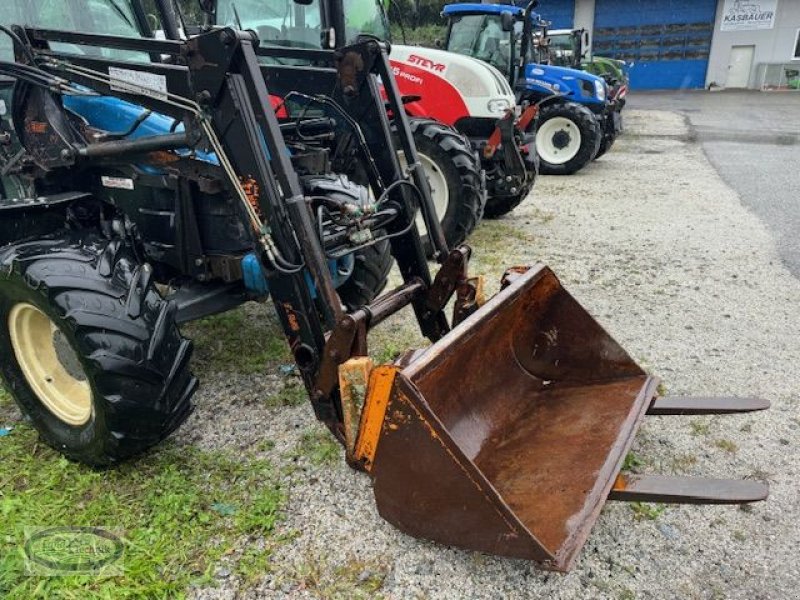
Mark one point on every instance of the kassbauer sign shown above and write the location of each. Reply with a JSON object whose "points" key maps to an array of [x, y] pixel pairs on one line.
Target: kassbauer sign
{"points": [[738, 15]]}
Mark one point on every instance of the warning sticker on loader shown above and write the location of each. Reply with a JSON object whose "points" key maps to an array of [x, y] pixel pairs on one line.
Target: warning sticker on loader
{"points": [[138, 82], [120, 183]]}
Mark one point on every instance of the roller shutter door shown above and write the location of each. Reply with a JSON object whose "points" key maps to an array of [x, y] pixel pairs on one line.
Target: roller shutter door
{"points": [[561, 13], [667, 42]]}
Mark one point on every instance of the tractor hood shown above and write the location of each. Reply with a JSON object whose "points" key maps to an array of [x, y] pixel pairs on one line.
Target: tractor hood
{"points": [[581, 86], [433, 72]]}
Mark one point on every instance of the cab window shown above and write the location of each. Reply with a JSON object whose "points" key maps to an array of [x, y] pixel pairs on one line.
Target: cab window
{"points": [[114, 17]]}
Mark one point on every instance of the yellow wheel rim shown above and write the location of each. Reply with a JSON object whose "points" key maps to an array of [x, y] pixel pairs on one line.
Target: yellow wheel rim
{"points": [[49, 364]]}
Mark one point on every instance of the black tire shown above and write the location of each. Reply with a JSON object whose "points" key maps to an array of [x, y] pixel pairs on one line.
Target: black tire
{"points": [[498, 207], [123, 335], [452, 153], [371, 264], [369, 276], [610, 134], [588, 127], [606, 142]]}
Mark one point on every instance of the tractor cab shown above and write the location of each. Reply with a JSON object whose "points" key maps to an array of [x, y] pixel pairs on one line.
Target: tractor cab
{"points": [[570, 48], [488, 32], [567, 47], [299, 24]]}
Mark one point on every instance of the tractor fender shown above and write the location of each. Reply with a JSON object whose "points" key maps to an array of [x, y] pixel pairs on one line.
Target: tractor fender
{"points": [[34, 217], [416, 109], [439, 99]]}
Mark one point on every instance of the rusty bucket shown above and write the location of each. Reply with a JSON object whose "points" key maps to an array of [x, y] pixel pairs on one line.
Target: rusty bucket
{"points": [[506, 435]]}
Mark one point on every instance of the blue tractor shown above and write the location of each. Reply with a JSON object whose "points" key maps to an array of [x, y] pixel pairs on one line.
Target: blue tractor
{"points": [[577, 121]]}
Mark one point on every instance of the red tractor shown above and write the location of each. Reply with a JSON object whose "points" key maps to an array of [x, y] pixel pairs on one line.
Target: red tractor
{"points": [[476, 100]]}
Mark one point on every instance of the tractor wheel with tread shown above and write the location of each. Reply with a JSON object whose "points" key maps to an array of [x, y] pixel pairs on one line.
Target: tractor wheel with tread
{"points": [[91, 351], [371, 264], [454, 174], [497, 207], [369, 276], [606, 142], [568, 137]]}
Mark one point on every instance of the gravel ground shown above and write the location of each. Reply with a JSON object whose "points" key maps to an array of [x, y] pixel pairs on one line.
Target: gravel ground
{"points": [[663, 253]]}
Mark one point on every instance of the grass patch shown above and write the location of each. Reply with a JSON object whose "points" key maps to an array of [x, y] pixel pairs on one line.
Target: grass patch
{"points": [[699, 427], [492, 240], [354, 579], [319, 446], [293, 393], [386, 353], [5, 397], [726, 445], [682, 463], [626, 594], [632, 461], [181, 510], [238, 342], [646, 511], [495, 235], [542, 216]]}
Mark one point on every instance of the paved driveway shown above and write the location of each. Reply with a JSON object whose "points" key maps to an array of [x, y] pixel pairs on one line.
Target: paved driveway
{"points": [[753, 140]]}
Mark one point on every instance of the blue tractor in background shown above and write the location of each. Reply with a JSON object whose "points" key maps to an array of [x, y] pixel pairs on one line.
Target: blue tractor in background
{"points": [[577, 121]]}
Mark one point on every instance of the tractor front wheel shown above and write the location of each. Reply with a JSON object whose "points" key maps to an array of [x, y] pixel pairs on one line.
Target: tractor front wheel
{"points": [[371, 264], [91, 351], [568, 137], [454, 175]]}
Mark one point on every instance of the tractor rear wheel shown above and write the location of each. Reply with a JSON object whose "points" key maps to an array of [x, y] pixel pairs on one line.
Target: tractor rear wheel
{"points": [[454, 174], [567, 138], [91, 351]]}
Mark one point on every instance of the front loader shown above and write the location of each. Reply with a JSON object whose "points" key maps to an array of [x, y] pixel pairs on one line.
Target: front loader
{"points": [[505, 435]]}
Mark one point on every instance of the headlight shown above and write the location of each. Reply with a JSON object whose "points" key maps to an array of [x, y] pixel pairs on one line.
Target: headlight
{"points": [[465, 81], [498, 106], [600, 89]]}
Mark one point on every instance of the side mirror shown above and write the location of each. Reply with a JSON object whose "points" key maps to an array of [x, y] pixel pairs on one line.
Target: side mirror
{"points": [[438, 43], [507, 21], [585, 43]]}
